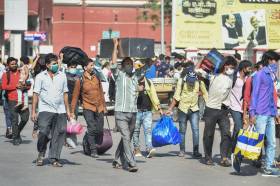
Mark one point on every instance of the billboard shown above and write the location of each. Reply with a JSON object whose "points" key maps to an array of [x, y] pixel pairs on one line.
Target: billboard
{"points": [[227, 24], [16, 14]]}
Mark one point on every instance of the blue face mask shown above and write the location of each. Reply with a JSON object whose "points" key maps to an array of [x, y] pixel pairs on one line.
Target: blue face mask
{"points": [[54, 68], [72, 71], [273, 67]]}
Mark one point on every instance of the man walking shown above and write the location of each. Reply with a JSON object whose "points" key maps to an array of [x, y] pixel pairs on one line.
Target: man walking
{"points": [[217, 110], [50, 91], [186, 94], [125, 110], [263, 108], [10, 84]]}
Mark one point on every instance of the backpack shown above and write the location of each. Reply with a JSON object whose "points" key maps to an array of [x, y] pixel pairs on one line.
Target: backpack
{"points": [[182, 86]]}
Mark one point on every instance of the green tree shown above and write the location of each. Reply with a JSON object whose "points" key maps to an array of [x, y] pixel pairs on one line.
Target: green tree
{"points": [[152, 12]]}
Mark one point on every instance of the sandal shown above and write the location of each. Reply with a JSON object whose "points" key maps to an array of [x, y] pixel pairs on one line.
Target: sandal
{"points": [[116, 165], [39, 161], [57, 164]]}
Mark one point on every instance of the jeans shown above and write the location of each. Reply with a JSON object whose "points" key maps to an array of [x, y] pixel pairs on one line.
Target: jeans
{"points": [[144, 118], [212, 117], [201, 105], [266, 125], [125, 122], [24, 116], [7, 113], [193, 117], [52, 127], [95, 124], [238, 123]]}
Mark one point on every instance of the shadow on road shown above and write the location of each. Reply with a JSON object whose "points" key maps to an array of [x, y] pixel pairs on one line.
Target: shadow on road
{"points": [[62, 161], [168, 154], [246, 170], [111, 160], [23, 141]]}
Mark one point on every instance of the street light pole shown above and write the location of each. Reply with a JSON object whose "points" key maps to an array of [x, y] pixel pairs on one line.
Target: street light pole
{"points": [[162, 27]]}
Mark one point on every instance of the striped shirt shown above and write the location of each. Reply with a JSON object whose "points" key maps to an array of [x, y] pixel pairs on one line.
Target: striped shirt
{"points": [[126, 91]]}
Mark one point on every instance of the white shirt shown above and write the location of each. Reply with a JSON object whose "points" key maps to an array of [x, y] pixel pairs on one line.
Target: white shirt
{"points": [[219, 91], [51, 92]]}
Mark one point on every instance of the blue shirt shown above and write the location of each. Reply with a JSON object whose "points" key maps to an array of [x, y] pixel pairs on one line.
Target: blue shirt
{"points": [[151, 72], [262, 99], [163, 69], [51, 92]]}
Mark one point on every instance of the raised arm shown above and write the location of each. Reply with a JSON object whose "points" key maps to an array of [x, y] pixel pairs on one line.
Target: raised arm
{"points": [[115, 51]]}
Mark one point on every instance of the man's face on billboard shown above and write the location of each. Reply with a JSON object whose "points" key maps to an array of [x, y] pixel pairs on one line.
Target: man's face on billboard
{"points": [[231, 20], [255, 22]]}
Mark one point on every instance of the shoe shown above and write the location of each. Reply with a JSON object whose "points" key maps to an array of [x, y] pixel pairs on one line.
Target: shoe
{"points": [[236, 163], [197, 155], [40, 160], [94, 155], [271, 173], [151, 153], [9, 133], [137, 152], [208, 161], [16, 142], [181, 154], [132, 169], [116, 165], [19, 139], [225, 162]]}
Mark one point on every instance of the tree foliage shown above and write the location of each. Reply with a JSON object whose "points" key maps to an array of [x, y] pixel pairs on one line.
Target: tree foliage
{"points": [[152, 12]]}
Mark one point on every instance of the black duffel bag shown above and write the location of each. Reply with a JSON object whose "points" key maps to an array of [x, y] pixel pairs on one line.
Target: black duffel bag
{"points": [[74, 55], [103, 142]]}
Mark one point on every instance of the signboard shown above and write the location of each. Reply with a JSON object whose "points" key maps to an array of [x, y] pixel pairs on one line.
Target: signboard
{"points": [[45, 49], [35, 36], [114, 34], [16, 14], [227, 24]]}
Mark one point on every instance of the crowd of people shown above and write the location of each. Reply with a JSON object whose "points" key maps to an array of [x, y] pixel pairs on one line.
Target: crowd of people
{"points": [[246, 92]]}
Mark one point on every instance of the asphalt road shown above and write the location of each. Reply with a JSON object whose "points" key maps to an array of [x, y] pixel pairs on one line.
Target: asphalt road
{"points": [[17, 167]]}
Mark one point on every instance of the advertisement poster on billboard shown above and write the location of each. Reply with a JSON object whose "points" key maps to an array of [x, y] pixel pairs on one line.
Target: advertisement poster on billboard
{"points": [[227, 24]]}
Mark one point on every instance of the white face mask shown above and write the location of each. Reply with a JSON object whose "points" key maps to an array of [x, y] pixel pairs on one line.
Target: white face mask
{"points": [[229, 71]]}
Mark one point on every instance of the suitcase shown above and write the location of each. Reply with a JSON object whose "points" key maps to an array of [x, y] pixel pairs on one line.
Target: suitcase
{"points": [[213, 61], [103, 142], [128, 47]]}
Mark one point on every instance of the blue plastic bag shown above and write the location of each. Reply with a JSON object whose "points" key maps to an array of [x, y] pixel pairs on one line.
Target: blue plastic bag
{"points": [[165, 133]]}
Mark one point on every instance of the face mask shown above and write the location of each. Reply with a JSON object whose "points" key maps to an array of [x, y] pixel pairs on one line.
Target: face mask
{"points": [[128, 69], [72, 71], [229, 71], [273, 67], [54, 68]]}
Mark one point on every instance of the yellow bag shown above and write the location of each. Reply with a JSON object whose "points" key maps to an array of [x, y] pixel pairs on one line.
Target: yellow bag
{"points": [[249, 143]]}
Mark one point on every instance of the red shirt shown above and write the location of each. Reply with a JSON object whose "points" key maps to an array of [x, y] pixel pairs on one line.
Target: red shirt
{"points": [[247, 92], [11, 88]]}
